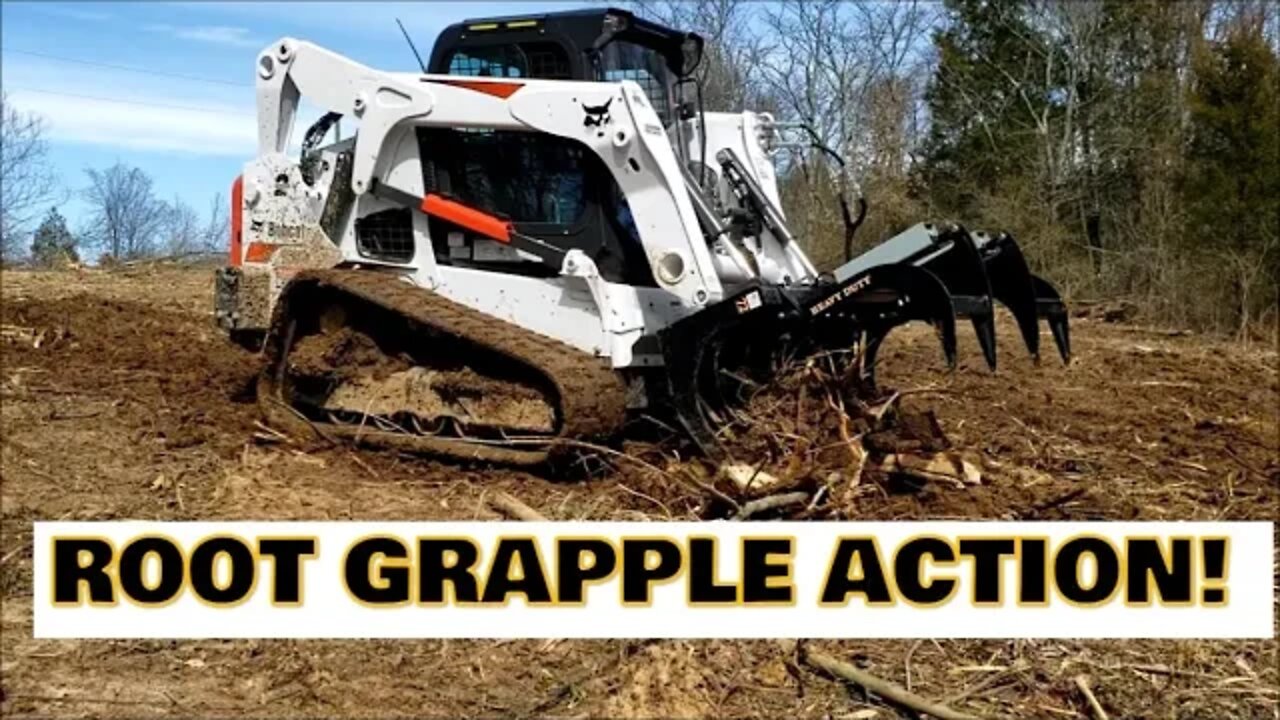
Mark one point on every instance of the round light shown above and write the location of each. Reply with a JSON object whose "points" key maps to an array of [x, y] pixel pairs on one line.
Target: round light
{"points": [[671, 268]]}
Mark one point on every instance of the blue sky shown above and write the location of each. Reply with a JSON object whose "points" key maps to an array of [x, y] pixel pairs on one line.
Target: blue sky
{"points": [[191, 135]]}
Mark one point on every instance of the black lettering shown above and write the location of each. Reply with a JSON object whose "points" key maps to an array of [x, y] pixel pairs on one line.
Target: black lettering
{"points": [[572, 579], [1032, 588], [908, 575], [69, 571], [703, 588], [1066, 568], [1213, 558], [391, 586], [637, 577], [201, 570], [1173, 580], [434, 572], [133, 560], [757, 570], [870, 582], [532, 582], [286, 559], [987, 576]]}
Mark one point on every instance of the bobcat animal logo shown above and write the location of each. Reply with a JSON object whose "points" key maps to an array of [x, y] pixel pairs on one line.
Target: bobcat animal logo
{"points": [[596, 115]]}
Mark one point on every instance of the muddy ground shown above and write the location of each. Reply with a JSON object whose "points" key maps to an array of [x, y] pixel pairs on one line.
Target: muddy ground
{"points": [[121, 400]]}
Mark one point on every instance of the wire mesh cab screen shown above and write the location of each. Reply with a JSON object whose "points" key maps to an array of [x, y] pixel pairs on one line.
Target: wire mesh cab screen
{"points": [[542, 60], [622, 60]]}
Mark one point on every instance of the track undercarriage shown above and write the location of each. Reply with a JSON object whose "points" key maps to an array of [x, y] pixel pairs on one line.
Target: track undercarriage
{"points": [[368, 358]]}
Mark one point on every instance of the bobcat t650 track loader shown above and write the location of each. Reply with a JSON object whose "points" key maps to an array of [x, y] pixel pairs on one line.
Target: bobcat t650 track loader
{"points": [[545, 233]]}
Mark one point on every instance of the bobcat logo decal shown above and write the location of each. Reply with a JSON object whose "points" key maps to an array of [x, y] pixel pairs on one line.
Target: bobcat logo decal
{"points": [[596, 115]]}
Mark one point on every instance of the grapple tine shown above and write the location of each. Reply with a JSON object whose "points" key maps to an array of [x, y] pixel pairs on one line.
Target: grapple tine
{"points": [[957, 263], [984, 327], [1011, 284], [1049, 306], [870, 349]]}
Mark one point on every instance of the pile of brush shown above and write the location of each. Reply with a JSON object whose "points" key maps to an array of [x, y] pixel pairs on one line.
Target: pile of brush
{"points": [[815, 438]]}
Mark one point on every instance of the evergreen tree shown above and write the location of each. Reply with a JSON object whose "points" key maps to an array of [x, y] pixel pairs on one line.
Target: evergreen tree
{"points": [[1232, 188], [985, 92], [53, 244]]}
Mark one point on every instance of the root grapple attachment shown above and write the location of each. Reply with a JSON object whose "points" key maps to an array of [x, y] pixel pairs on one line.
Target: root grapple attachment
{"points": [[714, 357], [978, 270], [929, 273]]}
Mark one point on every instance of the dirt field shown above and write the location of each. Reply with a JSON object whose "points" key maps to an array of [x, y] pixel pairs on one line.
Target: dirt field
{"points": [[121, 400]]}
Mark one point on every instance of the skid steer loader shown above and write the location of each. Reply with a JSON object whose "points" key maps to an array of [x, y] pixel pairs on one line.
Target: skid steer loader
{"points": [[542, 234]]}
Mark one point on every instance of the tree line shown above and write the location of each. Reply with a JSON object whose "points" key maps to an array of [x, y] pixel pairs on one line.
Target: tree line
{"points": [[1131, 146], [126, 221]]}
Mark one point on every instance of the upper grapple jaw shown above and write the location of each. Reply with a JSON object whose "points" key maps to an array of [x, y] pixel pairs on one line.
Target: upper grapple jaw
{"points": [[978, 270], [949, 253]]}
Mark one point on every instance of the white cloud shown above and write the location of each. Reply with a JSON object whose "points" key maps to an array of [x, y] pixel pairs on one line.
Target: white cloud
{"points": [[111, 108], [145, 123], [143, 127], [216, 34]]}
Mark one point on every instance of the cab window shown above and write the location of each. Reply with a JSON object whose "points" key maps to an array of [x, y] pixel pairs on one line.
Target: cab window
{"points": [[543, 60], [622, 60], [527, 177]]}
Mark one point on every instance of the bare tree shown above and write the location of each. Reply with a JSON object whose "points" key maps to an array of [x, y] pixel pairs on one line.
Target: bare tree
{"points": [[215, 233], [27, 185], [126, 216], [827, 56], [181, 231], [855, 73], [731, 48]]}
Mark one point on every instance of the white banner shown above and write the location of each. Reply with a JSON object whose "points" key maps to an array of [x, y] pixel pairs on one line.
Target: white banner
{"points": [[654, 580]]}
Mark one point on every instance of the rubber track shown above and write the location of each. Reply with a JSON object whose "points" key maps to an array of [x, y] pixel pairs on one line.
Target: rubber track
{"points": [[592, 395]]}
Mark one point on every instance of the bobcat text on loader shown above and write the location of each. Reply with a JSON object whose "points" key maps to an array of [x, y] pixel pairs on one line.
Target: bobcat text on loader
{"points": [[546, 233]]}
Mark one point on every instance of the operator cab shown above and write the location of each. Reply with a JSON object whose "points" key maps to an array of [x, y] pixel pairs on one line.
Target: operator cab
{"points": [[550, 188], [604, 45]]}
